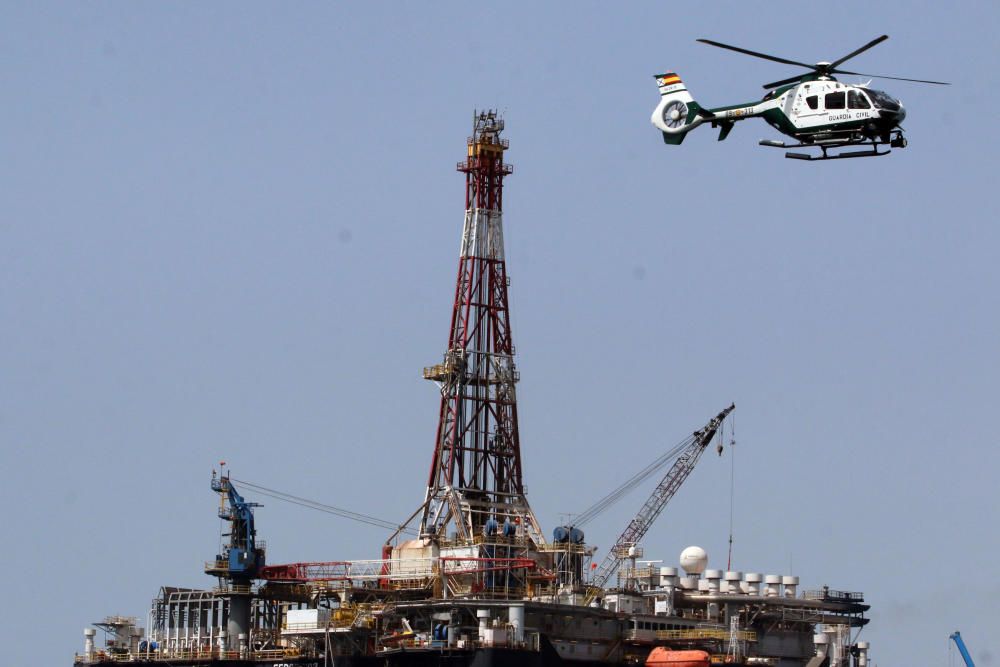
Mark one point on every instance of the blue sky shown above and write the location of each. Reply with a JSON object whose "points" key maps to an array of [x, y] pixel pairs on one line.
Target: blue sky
{"points": [[231, 231]]}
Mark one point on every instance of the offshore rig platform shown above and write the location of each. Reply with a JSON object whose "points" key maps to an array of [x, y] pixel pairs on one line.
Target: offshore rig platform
{"points": [[469, 579]]}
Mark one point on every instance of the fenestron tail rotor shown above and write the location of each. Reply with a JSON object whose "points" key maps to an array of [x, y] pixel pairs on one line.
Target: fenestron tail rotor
{"points": [[675, 114], [820, 68]]}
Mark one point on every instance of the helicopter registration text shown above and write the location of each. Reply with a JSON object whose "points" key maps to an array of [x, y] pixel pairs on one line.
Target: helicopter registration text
{"points": [[739, 113]]}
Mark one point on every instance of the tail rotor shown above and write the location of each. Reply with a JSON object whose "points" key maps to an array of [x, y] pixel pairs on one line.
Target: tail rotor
{"points": [[677, 113]]}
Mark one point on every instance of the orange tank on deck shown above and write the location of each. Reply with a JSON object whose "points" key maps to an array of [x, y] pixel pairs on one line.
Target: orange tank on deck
{"points": [[664, 657]]}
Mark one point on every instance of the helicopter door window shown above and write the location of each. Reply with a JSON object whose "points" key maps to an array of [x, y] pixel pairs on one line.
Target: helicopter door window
{"points": [[813, 101], [835, 100], [856, 100]]}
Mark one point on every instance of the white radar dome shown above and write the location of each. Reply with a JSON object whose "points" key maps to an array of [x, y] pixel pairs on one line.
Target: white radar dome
{"points": [[694, 560]]}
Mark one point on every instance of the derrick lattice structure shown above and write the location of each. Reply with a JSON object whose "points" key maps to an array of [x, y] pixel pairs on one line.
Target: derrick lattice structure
{"points": [[475, 486]]}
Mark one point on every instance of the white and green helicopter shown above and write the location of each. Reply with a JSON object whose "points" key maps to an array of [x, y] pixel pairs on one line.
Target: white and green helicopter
{"points": [[814, 109]]}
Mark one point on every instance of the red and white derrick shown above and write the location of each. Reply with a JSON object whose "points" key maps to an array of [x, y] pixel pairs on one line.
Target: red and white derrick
{"points": [[475, 486]]}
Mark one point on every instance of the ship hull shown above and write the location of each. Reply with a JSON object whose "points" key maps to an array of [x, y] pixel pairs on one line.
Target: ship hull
{"points": [[480, 657]]}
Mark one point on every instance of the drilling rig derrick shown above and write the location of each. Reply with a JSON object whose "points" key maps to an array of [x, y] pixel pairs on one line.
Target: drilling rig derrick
{"points": [[475, 503]]}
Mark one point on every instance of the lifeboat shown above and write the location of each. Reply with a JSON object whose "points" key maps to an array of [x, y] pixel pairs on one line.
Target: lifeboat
{"points": [[662, 656]]}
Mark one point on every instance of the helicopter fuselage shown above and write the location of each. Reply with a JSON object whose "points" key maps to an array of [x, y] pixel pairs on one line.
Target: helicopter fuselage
{"points": [[822, 108], [816, 110]]}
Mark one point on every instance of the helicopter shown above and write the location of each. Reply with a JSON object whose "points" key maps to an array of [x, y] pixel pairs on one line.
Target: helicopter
{"points": [[815, 109]]}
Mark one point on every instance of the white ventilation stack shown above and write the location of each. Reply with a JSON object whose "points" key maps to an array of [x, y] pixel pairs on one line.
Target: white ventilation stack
{"points": [[668, 582], [712, 578], [835, 634], [863, 654], [732, 585], [822, 643], [791, 584], [484, 622], [88, 643], [668, 578], [772, 585], [515, 616], [753, 580]]}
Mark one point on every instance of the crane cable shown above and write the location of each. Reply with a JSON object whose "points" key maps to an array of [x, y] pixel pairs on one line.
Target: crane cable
{"points": [[645, 473], [584, 517], [318, 506], [732, 483]]}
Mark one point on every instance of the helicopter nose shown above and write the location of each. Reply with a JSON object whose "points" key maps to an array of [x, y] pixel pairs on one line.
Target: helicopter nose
{"points": [[895, 116]]}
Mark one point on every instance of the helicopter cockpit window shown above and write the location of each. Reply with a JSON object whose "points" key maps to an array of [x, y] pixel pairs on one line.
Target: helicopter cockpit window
{"points": [[857, 100], [835, 100], [813, 101], [882, 100]]}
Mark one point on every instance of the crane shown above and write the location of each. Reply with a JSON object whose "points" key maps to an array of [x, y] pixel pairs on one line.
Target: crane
{"points": [[243, 556], [957, 638], [240, 561], [661, 495]]}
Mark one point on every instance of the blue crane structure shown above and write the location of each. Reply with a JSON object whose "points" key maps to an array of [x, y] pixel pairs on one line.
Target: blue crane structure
{"points": [[957, 638], [239, 563], [243, 557]]}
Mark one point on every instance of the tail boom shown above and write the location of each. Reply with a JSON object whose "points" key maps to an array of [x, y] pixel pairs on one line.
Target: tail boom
{"points": [[678, 113]]}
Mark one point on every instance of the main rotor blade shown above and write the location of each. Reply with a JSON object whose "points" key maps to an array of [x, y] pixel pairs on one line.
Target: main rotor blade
{"points": [[877, 40], [775, 84], [754, 53], [894, 78]]}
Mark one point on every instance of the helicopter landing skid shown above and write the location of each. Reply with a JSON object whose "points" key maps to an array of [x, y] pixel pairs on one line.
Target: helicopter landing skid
{"points": [[874, 152]]}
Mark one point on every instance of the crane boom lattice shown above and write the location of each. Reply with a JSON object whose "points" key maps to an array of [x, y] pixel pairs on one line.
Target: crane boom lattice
{"points": [[654, 505]]}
